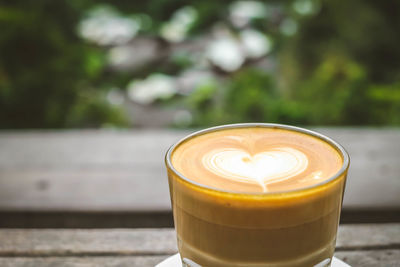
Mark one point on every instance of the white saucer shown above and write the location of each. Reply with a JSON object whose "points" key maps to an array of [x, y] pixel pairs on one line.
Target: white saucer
{"points": [[175, 261]]}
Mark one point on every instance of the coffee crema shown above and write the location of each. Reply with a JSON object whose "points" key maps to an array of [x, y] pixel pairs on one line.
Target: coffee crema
{"points": [[256, 160]]}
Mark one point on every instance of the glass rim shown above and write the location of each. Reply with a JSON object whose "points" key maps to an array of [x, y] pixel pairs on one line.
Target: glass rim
{"points": [[339, 148]]}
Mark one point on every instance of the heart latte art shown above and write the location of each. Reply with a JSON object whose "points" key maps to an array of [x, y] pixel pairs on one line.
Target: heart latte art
{"points": [[265, 167], [256, 160]]}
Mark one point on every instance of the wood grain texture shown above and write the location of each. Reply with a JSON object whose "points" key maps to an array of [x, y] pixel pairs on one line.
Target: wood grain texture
{"points": [[131, 261], [386, 258], [100, 170], [115, 242], [370, 258], [368, 236], [359, 245], [87, 242]]}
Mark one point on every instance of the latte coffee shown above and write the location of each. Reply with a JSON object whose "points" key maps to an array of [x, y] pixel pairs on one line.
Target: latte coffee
{"points": [[256, 195]]}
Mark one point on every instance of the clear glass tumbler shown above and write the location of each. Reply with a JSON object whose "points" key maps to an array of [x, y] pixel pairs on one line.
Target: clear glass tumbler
{"points": [[292, 228]]}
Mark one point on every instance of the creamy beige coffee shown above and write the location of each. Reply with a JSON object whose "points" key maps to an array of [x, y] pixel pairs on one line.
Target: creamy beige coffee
{"points": [[256, 160], [256, 195]]}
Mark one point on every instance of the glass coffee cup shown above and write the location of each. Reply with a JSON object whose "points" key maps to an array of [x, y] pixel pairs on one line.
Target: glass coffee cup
{"points": [[242, 221]]}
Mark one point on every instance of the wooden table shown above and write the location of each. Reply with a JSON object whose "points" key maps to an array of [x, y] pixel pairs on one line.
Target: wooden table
{"points": [[70, 180], [367, 245], [105, 178]]}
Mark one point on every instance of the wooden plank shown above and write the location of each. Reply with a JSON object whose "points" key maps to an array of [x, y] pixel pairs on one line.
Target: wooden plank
{"points": [[84, 148], [98, 189], [134, 261], [358, 245], [368, 235], [370, 258], [374, 166], [100, 170], [85, 170], [113, 242], [87, 242], [387, 258]]}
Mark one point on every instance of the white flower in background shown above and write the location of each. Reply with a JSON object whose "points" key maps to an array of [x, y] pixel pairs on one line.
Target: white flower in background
{"points": [[288, 27], [304, 7], [119, 55], [242, 11], [104, 26], [225, 52], [139, 52], [182, 118], [255, 44], [115, 97], [156, 86], [192, 78], [175, 30]]}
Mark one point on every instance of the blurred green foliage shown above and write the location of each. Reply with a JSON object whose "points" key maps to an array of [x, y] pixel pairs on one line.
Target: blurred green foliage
{"points": [[342, 67], [47, 71], [336, 63], [250, 95]]}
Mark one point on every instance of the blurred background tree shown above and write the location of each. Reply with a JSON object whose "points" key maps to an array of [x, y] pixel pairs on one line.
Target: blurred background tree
{"points": [[198, 63]]}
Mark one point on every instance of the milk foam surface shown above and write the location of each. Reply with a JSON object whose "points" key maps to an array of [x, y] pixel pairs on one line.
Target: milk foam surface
{"points": [[256, 160]]}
